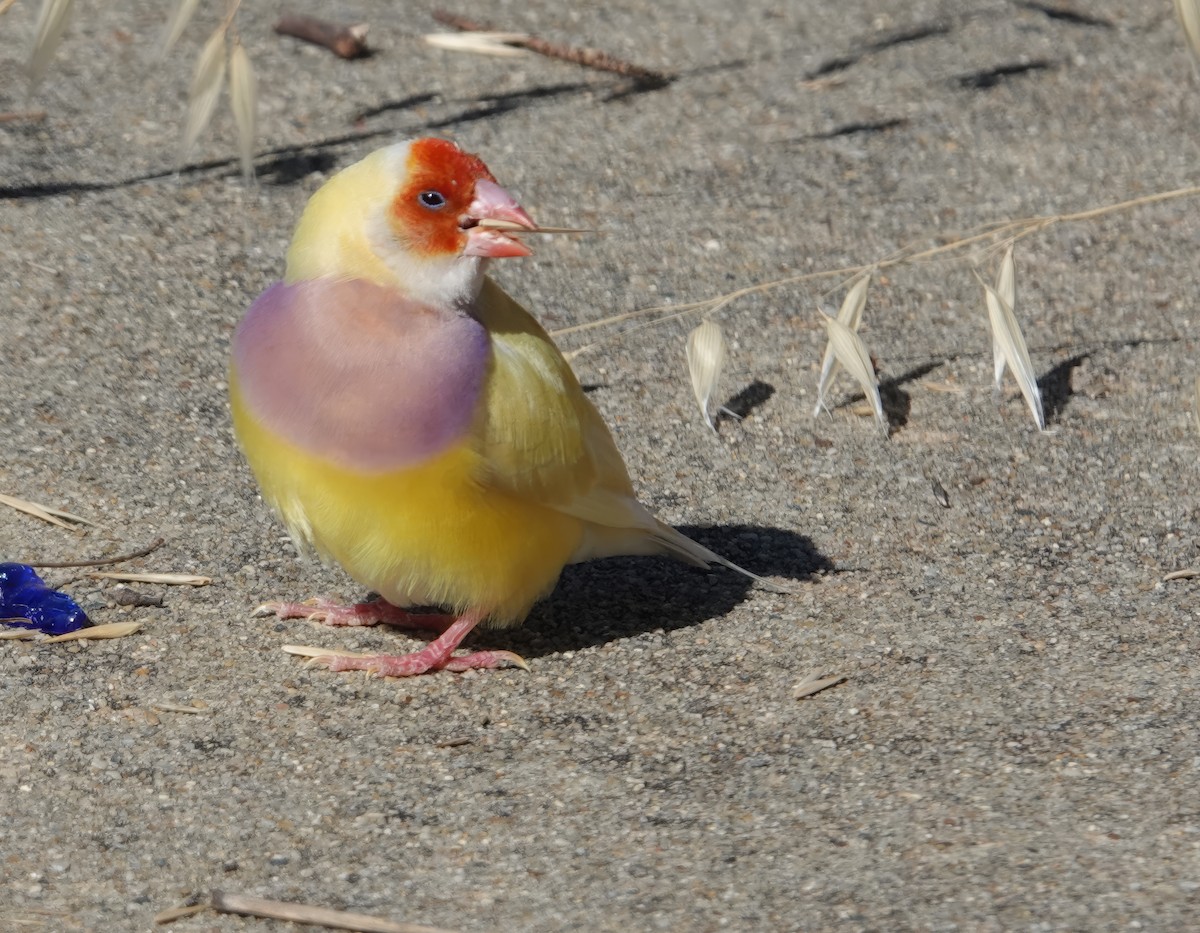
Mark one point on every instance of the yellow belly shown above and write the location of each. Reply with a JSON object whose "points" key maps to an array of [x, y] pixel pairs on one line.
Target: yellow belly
{"points": [[430, 535]]}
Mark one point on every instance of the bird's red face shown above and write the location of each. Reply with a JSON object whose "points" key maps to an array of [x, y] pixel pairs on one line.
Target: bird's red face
{"points": [[446, 194]]}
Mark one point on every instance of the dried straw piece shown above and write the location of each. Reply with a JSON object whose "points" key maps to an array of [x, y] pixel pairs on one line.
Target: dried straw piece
{"points": [[305, 913], [849, 314], [1007, 336], [851, 353], [243, 98], [169, 579], [111, 630], [481, 43], [178, 23], [167, 707], [812, 684], [17, 634], [205, 91], [52, 22], [309, 651], [1182, 575], [44, 512], [171, 914], [14, 116], [705, 357]]}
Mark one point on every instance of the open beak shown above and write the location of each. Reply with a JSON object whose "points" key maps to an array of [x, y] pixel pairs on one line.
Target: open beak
{"points": [[490, 221]]}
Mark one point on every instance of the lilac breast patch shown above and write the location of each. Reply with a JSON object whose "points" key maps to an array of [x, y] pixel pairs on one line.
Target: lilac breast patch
{"points": [[359, 374]]}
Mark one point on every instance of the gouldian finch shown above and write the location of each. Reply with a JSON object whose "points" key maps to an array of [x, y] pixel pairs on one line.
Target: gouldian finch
{"points": [[411, 422]]}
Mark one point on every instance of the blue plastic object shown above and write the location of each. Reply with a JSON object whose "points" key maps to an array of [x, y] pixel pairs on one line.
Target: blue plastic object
{"points": [[25, 596]]}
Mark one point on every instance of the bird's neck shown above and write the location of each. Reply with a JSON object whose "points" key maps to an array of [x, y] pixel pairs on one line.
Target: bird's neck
{"points": [[453, 282], [343, 235]]}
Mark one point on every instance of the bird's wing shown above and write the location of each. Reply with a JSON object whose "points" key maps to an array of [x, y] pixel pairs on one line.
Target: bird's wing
{"points": [[540, 436], [542, 439]]}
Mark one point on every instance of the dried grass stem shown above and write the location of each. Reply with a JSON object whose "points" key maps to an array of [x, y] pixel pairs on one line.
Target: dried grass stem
{"points": [[997, 234], [578, 55]]}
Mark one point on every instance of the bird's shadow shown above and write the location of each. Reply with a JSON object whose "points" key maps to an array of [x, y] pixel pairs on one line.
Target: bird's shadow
{"points": [[288, 168], [1056, 388], [616, 598], [492, 105], [896, 401], [753, 396], [607, 600]]}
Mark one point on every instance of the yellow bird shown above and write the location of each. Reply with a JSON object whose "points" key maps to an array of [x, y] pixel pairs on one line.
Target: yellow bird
{"points": [[411, 422]]}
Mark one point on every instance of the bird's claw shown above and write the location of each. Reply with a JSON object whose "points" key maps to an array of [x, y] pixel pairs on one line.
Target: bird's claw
{"points": [[487, 660]]}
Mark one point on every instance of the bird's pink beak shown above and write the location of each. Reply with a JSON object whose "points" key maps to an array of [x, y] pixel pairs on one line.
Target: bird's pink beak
{"points": [[493, 203]]}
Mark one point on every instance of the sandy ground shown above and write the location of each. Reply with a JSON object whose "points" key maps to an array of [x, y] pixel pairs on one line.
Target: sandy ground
{"points": [[1014, 746]]}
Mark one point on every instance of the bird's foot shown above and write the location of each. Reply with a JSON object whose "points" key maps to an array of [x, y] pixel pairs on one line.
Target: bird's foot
{"points": [[438, 655], [380, 611]]}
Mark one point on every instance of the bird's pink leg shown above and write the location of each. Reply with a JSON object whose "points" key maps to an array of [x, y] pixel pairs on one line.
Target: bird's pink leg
{"points": [[437, 655]]}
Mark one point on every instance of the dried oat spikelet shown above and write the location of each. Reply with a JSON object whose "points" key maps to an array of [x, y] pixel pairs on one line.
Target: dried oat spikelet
{"points": [[849, 314], [205, 91], [705, 357], [52, 22], [1189, 18], [178, 23], [1008, 339], [1006, 288], [851, 353], [243, 98]]}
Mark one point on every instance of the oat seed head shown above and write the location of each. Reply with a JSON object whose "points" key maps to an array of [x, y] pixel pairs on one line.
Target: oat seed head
{"points": [[851, 353], [849, 314], [1189, 18], [1006, 288], [178, 23], [705, 357], [52, 22], [1007, 336], [206, 86], [243, 98]]}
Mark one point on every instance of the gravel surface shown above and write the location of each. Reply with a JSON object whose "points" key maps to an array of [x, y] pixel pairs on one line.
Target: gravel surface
{"points": [[1014, 746]]}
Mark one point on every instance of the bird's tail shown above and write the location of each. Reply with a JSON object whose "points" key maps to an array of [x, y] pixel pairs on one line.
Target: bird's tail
{"points": [[683, 548]]}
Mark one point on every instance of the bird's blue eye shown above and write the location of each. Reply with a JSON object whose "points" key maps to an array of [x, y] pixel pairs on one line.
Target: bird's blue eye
{"points": [[434, 200]]}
